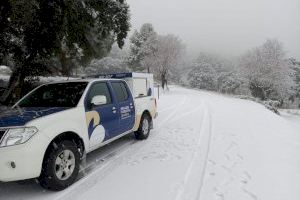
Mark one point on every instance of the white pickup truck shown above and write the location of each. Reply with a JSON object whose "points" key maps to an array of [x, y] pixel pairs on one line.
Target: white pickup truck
{"points": [[48, 132]]}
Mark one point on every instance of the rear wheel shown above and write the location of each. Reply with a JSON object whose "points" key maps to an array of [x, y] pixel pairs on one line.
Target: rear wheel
{"points": [[61, 166], [144, 129]]}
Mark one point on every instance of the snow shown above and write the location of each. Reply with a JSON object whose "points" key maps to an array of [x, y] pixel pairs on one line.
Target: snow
{"points": [[252, 158], [55, 79], [293, 115], [3, 67], [4, 77], [43, 79], [204, 146]]}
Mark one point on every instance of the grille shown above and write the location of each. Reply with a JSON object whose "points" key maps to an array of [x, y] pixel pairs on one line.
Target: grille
{"points": [[2, 133]]}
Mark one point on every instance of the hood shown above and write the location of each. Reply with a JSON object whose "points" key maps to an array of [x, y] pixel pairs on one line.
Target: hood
{"points": [[20, 117]]}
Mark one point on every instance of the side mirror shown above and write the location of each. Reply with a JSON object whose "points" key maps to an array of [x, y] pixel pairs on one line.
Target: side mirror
{"points": [[99, 100]]}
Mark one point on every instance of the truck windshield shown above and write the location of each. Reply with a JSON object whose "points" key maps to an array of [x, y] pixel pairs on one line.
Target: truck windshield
{"points": [[55, 95]]}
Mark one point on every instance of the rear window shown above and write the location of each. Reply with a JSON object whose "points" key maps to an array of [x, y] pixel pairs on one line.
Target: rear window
{"points": [[120, 91]]}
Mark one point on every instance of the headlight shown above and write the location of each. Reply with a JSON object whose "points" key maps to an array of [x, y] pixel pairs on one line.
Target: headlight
{"points": [[17, 136]]}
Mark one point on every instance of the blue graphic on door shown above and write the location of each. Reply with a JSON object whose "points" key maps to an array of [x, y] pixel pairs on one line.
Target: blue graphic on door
{"points": [[95, 130]]}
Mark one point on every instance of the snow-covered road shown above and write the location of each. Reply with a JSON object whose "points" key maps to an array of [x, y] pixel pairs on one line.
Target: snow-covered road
{"points": [[204, 146]]}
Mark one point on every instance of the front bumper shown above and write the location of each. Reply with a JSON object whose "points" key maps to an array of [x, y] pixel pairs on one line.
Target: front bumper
{"points": [[21, 162]]}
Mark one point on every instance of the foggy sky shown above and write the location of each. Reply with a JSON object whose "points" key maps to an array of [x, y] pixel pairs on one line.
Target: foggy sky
{"points": [[226, 27]]}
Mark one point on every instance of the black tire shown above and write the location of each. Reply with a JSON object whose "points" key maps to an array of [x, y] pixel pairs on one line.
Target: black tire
{"points": [[49, 178], [141, 133]]}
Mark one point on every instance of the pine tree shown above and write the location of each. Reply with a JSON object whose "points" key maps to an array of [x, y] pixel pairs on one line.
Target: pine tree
{"points": [[143, 45]]}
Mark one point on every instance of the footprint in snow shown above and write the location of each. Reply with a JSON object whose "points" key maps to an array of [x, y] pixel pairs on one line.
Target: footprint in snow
{"points": [[226, 168], [212, 174], [219, 195], [245, 178], [240, 157], [212, 162], [247, 175], [227, 157], [231, 146], [250, 194]]}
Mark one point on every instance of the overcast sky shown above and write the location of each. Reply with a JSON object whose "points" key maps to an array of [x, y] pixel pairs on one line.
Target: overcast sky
{"points": [[226, 27]]}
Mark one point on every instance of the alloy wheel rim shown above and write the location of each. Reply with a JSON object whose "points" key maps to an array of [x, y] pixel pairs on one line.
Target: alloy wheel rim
{"points": [[64, 165], [145, 127]]}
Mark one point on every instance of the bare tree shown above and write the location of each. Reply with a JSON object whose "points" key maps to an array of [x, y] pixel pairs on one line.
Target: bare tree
{"points": [[169, 52]]}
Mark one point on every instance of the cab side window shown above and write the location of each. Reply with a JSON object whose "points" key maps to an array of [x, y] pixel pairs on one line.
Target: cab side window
{"points": [[99, 89], [120, 91]]}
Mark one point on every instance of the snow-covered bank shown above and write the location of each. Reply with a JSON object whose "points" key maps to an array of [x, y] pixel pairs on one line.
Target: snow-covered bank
{"points": [[204, 146], [293, 116]]}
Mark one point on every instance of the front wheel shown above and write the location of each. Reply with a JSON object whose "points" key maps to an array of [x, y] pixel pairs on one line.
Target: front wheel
{"points": [[61, 166], [144, 129]]}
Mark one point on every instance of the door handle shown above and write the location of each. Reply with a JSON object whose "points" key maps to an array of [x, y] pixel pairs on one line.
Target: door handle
{"points": [[131, 106], [114, 110]]}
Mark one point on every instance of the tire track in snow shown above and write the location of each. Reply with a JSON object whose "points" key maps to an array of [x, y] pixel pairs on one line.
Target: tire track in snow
{"points": [[206, 155], [167, 108], [186, 114], [89, 167], [181, 192], [172, 113], [198, 164]]}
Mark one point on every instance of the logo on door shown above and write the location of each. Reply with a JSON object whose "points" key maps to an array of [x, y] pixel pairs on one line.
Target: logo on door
{"points": [[125, 112], [95, 130]]}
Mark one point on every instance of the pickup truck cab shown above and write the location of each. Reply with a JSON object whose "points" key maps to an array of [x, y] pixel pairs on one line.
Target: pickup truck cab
{"points": [[49, 131]]}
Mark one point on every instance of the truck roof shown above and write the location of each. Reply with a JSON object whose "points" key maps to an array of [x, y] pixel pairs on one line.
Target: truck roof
{"points": [[125, 75], [104, 77], [88, 80]]}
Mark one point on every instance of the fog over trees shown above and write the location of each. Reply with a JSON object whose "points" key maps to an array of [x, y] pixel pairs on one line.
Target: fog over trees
{"points": [[264, 72]]}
